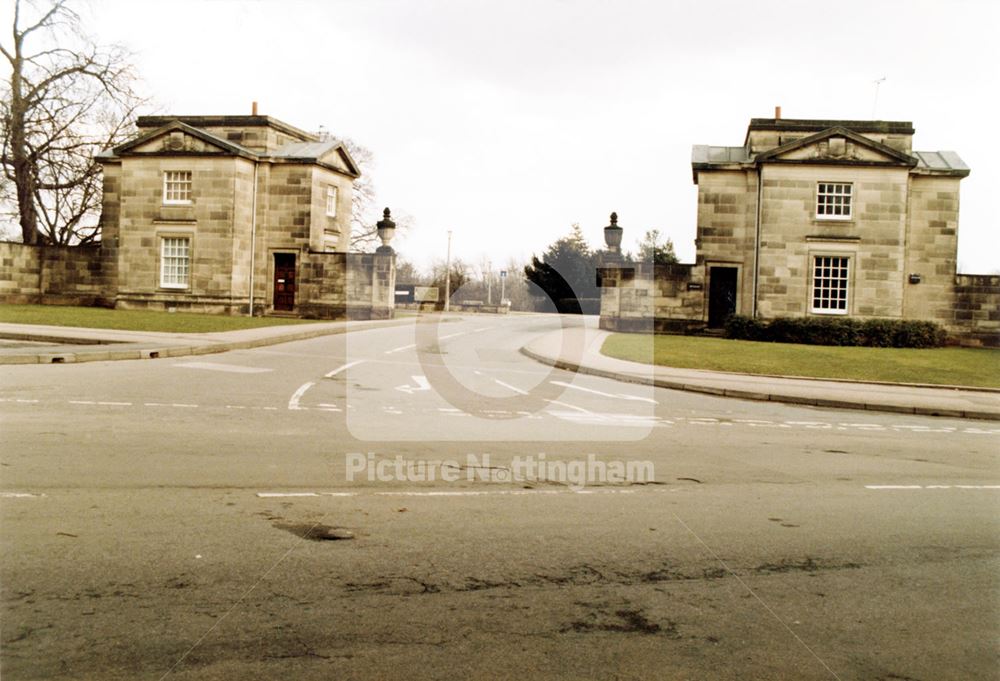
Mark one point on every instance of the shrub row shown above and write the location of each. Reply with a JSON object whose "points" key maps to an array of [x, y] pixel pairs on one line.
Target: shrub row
{"points": [[877, 333]]}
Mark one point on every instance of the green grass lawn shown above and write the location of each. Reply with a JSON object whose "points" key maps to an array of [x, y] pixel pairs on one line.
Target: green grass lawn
{"points": [[133, 320], [942, 366]]}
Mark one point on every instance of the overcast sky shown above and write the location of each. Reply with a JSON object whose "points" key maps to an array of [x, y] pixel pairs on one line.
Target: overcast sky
{"points": [[507, 121]]}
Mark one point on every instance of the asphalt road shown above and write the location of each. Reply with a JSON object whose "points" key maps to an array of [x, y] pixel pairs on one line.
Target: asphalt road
{"points": [[372, 506]]}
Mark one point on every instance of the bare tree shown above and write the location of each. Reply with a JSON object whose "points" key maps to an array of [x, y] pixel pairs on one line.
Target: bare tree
{"points": [[64, 101], [365, 211]]}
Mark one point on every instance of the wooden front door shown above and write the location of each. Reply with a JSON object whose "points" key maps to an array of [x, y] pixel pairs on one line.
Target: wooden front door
{"points": [[284, 281], [721, 295]]}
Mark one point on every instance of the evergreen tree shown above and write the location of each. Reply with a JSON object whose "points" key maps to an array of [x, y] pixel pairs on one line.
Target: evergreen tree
{"points": [[567, 273]]}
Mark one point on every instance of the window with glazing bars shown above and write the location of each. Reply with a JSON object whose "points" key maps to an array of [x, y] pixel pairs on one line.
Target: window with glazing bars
{"points": [[174, 262], [177, 186], [830, 281], [331, 201], [833, 200]]}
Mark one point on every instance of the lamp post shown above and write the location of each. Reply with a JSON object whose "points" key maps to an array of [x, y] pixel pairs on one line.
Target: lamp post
{"points": [[489, 282], [447, 276]]}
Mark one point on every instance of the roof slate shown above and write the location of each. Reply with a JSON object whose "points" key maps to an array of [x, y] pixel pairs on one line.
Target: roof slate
{"points": [[940, 160]]}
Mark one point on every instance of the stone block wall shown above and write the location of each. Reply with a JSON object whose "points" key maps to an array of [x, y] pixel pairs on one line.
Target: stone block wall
{"points": [[931, 248], [976, 310], [727, 209], [791, 236], [346, 285], [208, 221], [55, 275], [642, 297]]}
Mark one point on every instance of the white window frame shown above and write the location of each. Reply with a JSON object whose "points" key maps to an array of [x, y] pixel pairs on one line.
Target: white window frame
{"points": [[331, 201], [175, 262], [834, 196], [830, 284], [177, 187]]}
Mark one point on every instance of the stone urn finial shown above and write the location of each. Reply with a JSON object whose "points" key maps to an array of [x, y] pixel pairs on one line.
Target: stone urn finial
{"points": [[613, 235], [386, 229]]}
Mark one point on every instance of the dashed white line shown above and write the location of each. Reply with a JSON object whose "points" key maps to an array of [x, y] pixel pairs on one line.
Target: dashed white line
{"points": [[618, 396], [218, 366], [570, 406], [343, 367], [400, 349], [293, 403], [19, 495], [510, 387]]}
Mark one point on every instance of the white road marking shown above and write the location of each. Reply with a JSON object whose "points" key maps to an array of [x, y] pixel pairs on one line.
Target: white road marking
{"points": [[82, 402], [19, 495], [400, 349], [218, 366], [480, 329], [570, 406], [932, 487], [622, 420], [286, 494], [619, 396], [344, 367], [510, 387], [183, 405], [293, 403], [761, 423], [422, 385], [116, 404], [452, 335]]}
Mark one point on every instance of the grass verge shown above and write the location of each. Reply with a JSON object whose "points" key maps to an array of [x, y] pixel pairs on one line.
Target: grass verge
{"points": [[133, 320], [941, 366]]}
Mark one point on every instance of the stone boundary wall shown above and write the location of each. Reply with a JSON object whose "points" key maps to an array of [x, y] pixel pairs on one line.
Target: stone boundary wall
{"points": [[643, 297], [346, 285], [977, 309], [55, 275]]}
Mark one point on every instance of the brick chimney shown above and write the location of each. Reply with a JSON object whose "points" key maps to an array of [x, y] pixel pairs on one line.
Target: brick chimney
{"points": [[253, 109], [777, 112]]}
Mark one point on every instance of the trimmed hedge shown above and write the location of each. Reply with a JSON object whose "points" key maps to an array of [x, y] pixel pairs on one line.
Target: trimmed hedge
{"points": [[877, 333]]}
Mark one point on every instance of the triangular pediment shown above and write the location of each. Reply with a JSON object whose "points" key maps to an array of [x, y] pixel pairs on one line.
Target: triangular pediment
{"points": [[837, 145], [180, 138], [339, 158]]}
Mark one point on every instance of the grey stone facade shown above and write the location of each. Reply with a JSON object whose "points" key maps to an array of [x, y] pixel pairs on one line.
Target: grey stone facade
{"points": [[218, 213], [815, 218]]}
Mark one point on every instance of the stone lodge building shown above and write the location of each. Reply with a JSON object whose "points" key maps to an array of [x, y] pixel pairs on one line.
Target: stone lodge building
{"points": [[815, 217], [217, 214]]}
